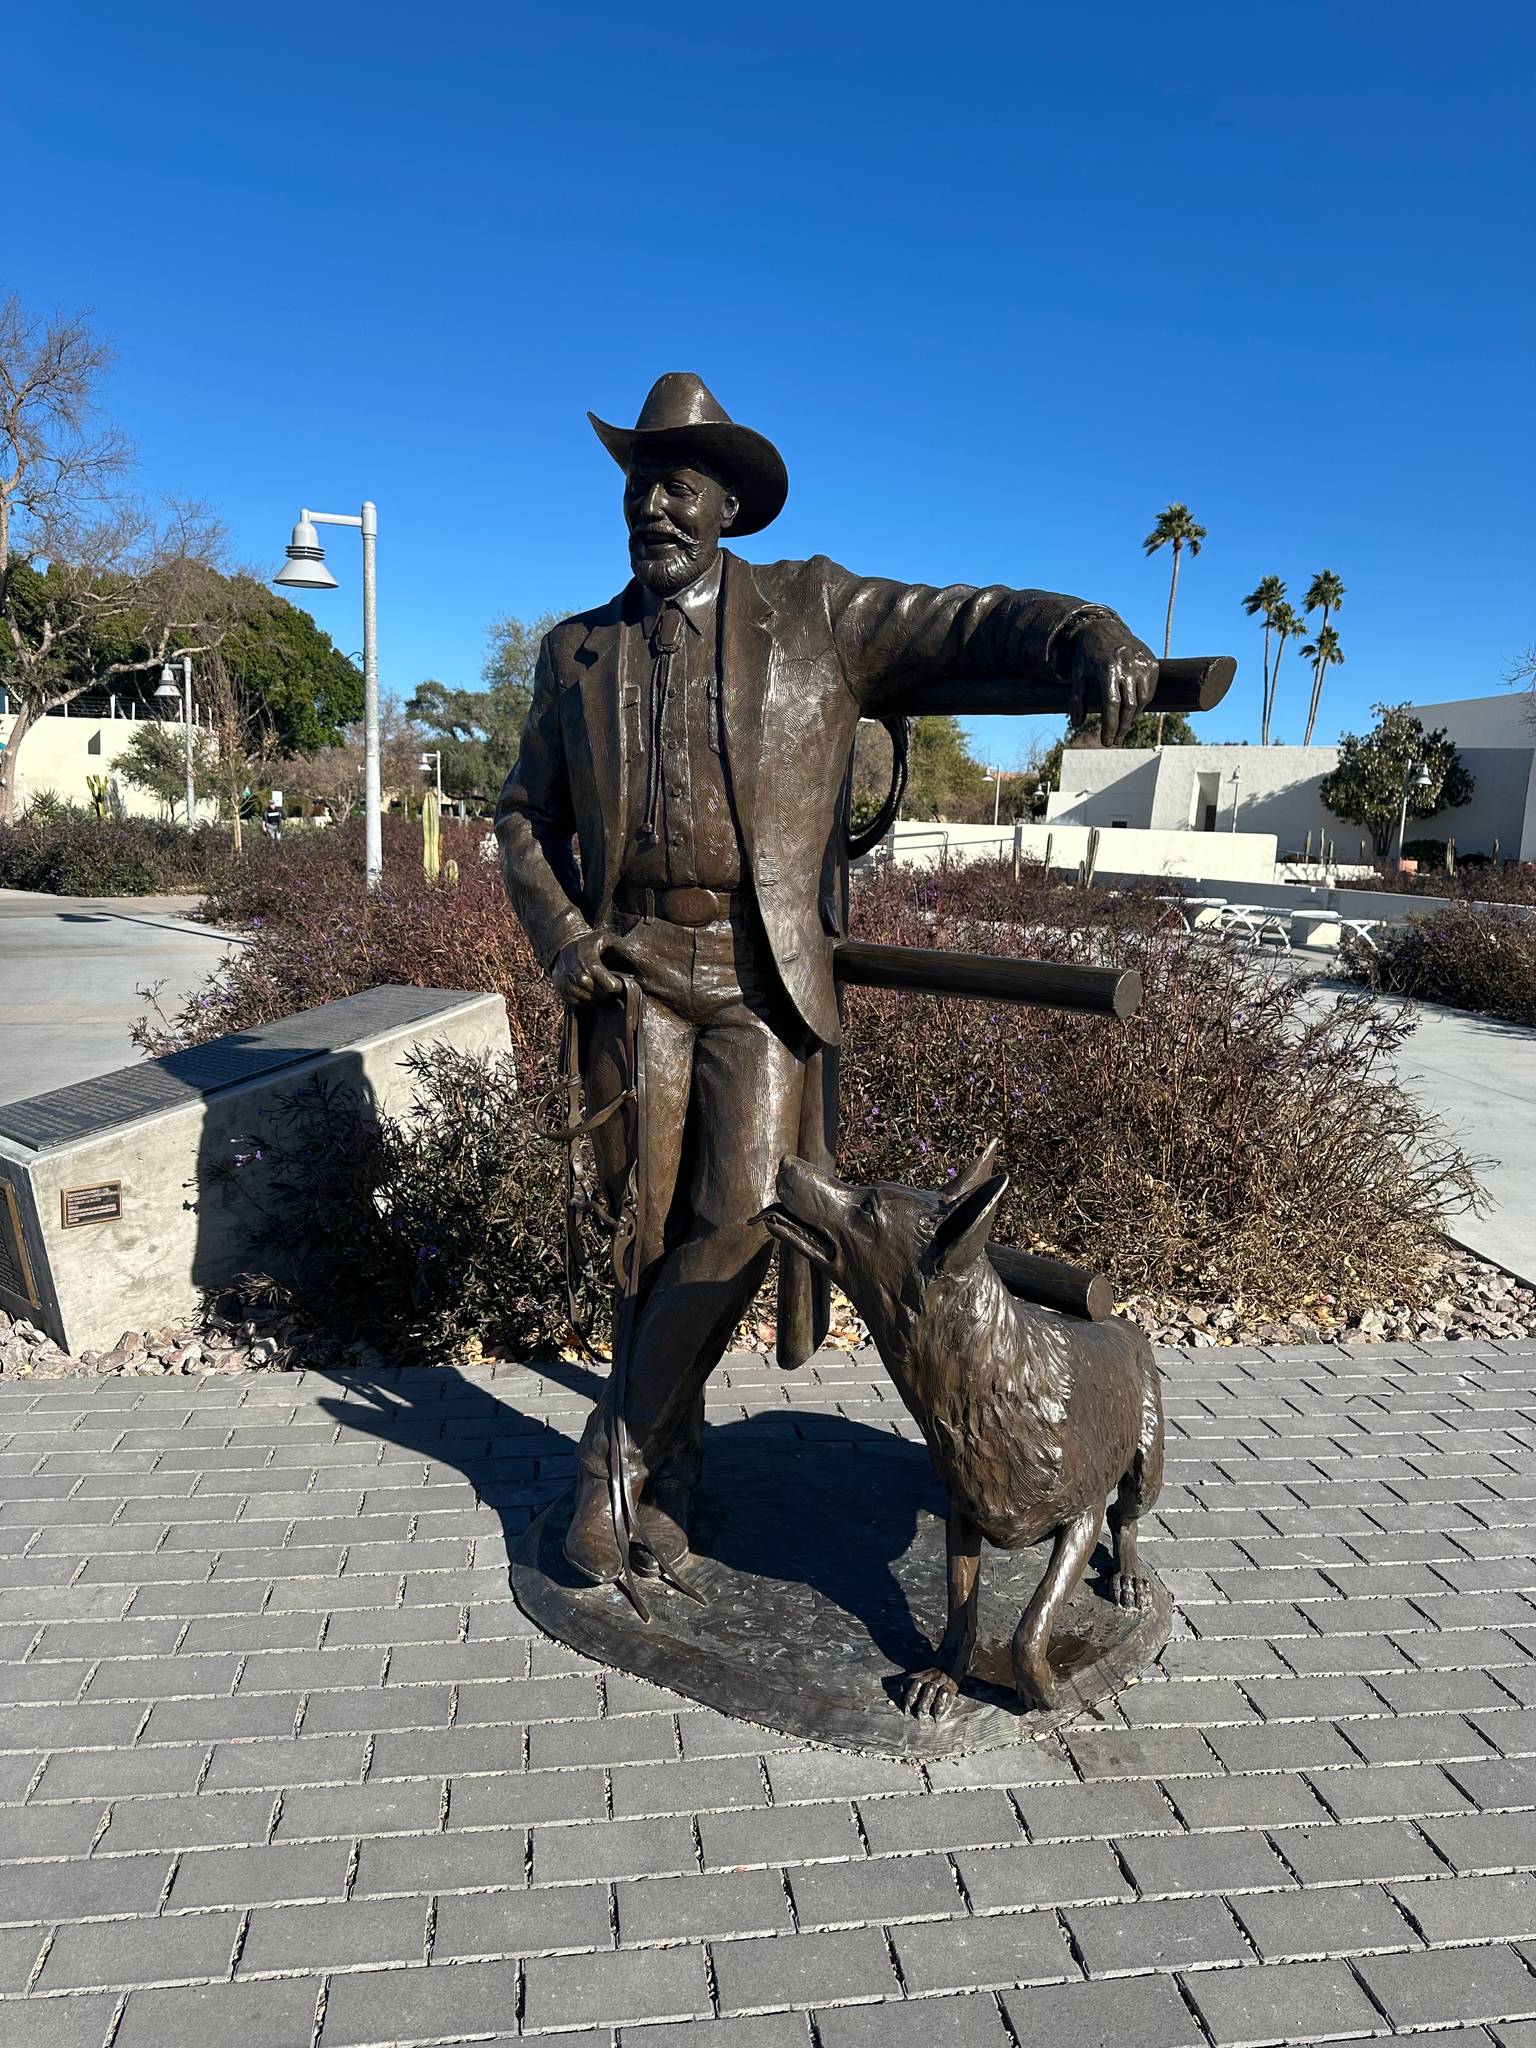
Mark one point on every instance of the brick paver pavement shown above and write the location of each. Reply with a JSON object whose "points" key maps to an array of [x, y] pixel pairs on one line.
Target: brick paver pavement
{"points": [[281, 1764]]}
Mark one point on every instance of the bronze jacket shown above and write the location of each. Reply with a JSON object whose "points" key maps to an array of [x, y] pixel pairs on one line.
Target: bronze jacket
{"points": [[808, 649]]}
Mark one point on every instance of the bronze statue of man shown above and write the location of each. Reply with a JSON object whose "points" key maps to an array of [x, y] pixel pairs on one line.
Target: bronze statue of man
{"points": [[675, 817]]}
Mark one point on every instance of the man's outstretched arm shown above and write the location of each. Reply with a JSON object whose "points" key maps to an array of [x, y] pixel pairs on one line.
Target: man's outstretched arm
{"points": [[535, 827], [1067, 655]]}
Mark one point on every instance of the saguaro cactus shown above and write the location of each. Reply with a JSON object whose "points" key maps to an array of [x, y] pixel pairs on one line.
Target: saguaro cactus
{"points": [[431, 836]]}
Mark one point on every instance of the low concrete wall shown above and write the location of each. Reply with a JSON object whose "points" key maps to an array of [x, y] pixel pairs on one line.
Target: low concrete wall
{"points": [[1245, 857], [177, 1232]]}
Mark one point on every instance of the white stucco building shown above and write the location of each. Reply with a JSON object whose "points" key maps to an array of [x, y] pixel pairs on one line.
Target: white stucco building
{"points": [[1275, 789]]}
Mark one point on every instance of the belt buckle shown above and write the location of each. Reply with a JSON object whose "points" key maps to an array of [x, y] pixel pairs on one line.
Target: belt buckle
{"points": [[692, 906]]}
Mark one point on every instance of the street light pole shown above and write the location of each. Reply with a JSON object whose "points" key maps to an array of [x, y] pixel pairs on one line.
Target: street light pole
{"points": [[168, 689], [1237, 784], [306, 570]]}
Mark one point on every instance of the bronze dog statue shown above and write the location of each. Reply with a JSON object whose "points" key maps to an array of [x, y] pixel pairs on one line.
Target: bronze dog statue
{"points": [[1032, 1419]]}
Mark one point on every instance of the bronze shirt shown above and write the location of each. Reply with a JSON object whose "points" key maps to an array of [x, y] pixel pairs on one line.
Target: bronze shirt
{"points": [[696, 843]]}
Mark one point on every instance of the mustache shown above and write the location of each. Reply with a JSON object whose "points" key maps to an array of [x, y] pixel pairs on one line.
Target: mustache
{"points": [[652, 534]]}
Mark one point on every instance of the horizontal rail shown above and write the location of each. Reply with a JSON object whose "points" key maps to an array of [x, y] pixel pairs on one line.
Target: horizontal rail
{"points": [[988, 977]]}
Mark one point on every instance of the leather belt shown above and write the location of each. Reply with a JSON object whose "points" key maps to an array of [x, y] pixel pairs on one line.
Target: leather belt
{"points": [[680, 906]]}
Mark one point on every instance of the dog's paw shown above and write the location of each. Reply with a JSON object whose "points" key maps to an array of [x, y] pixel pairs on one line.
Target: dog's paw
{"points": [[928, 1692], [1131, 1590], [1035, 1682]]}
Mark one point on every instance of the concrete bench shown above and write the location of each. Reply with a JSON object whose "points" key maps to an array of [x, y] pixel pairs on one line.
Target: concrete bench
{"points": [[107, 1218]]}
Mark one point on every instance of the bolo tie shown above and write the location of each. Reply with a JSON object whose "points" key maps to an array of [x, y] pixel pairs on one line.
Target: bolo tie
{"points": [[666, 637]]}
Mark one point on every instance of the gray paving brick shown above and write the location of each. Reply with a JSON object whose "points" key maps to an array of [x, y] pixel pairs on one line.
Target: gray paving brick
{"points": [[991, 1952], [394, 1806], [1439, 1986], [969, 2021], [836, 1774], [289, 1938], [110, 1774], [946, 1820], [55, 2022], [411, 1753], [20, 1948], [1455, 1909], [110, 1955], [1144, 2010], [629, 1739], [1143, 1752], [1177, 1866], [1041, 1874], [524, 1798], [787, 1834], [1342, 1919], [227, 1720], [376, 2008], [726, 1903], [1499, 1783], [1486, 1841], [512, 1923], [884, 1889], [79, 1888], [802, 1970], [260, 1876], [1111, 1807], [632, 1848], [302, 1760], [638, 1985], [267, 2015], [1285, 1746], [440, 1863], [48, 1830], [688, 1787], [1281, 2002], [1389, 1791], [1178, 1934], [1276, 1799]]}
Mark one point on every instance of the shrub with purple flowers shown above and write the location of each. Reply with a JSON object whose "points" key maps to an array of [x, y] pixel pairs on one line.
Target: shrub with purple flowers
{"points": [[1241, 1138]]}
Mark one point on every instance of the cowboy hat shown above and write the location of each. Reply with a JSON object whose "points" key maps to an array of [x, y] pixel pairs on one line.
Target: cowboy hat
{"points": [[681, 416]]}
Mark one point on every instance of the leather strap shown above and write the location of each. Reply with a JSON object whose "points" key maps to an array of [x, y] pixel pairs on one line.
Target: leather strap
{"points": [[686, 906]]}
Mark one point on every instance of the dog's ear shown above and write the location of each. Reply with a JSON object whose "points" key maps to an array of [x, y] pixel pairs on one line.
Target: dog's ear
{"points": [[964, 1224], [973, 1176]]}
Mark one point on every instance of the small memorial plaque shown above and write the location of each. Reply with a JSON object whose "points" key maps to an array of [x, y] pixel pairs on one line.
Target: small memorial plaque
{"points": [[102, 1203], [15, 1268]]}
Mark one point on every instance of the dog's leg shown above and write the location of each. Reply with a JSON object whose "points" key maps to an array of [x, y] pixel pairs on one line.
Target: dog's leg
{"points": [[1032, 1638], [1137, 1491], [930, 1691]]}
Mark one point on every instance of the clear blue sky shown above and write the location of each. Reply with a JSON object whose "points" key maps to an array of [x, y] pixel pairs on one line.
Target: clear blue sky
{"points": [[1000, 283]]}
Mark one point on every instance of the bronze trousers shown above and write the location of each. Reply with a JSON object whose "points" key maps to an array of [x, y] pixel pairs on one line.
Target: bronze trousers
{"points": [[724, 1065]]}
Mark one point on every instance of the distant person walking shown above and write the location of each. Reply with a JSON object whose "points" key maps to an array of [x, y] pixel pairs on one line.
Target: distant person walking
{"points": [[272, 822]]}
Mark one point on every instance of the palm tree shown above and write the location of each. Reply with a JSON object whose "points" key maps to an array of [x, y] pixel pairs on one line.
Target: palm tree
{"points": [[1176, 528], [1265, 595], [1324, 653], [1286, 623], [1326, 593]]}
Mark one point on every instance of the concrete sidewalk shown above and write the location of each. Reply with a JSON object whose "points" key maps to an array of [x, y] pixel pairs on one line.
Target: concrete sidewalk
{"points": [[281, 1761], [1478, 1074], [70, 971]]}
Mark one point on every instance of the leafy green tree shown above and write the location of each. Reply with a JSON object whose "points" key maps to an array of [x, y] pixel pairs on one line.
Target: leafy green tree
{"points": [[479, 731], [944, 778], [1176, 732], [155, 760], [289, 672], [1260, 602], [1325, 593], [1367, 786]]}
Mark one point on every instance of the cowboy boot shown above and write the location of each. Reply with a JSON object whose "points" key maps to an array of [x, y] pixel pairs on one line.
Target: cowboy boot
{"points": [[591, 1543], [661, 1527]]}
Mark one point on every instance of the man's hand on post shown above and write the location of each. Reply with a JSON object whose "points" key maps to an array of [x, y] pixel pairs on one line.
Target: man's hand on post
{"points": [[1112, 673], [578, 973]]}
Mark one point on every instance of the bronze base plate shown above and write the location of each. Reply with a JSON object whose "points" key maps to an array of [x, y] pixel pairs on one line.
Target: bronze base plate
{"points": [[823, 1566]]}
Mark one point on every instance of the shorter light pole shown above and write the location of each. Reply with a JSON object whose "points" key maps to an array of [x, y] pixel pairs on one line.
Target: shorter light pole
{"points": [[435, 756], [168, 689], [1415, 776], [1237, 783]]}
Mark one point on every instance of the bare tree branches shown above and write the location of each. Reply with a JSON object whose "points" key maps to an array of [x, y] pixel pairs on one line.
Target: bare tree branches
{"points": [[93, 583]]}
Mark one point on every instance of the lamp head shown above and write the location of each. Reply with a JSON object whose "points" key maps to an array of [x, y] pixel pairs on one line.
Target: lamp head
{"points": [[167, 682], [306, 568], [1423, 780]]}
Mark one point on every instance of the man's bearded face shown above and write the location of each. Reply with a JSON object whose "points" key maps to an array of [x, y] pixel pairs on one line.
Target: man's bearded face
{"points": [[676, 513]]}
